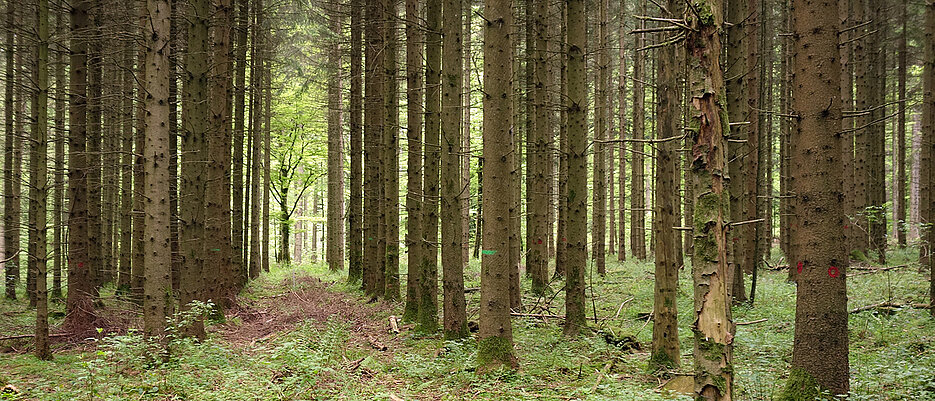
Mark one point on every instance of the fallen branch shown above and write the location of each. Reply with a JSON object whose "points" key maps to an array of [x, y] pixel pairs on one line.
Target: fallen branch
{"points": [[33, 335], [376, 344], [538, 315], [888, 304], [751, 322]]}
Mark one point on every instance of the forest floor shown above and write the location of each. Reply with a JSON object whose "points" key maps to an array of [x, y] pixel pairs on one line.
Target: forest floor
{"points": [[301, 333]]}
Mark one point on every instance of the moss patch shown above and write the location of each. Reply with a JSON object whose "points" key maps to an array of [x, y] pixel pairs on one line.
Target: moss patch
{"points": [[493, 353], [801, 386]]}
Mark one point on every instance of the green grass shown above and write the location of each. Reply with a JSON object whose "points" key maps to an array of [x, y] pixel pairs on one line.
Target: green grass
{"points": [[892, 356]]}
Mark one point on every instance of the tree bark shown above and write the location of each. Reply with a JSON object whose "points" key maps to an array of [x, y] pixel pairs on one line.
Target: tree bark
{"points": [[40, 190], [391, 150], [11, 164], [80, 300], [665, 346], [238, 221], [537, 258], [637, 191], [455, 324], [900, 196], [708, 127], [735, 71], [335, 148], [495, 338], [355, 244], [374, 115], [599, 180], [928, 130], [158, 283], [428, 274], [414, 111], [192, 214], [820, 351], [576, 111]]}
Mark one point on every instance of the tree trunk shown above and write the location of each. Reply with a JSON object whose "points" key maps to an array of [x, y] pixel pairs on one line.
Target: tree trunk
{"points": [[80, 300], [428, 274], [495, 338], [256, 109], [637, 192], [622, 151], [665, 347], [537, 257], [414, 111], [10, 166], [58, 205], [374, 116], [713, 352], [900, 197], [355, 201], [561, 235], [599, 180], [335, 149], [468, 11], [192, 214], [735, 71], [158, 283], [750, 235], [219, 275], [928, 130], [391, 150], [455, 324], [39, 168], [859, 240], [95, 134], [238, 221], [576, 111], [820, 353]]}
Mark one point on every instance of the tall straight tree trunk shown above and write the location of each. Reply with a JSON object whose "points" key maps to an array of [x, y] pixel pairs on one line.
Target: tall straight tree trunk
{"points": [[735, 70], [124, 276], [428, 274], [468, 12], [637, 192], [267, 113], [858, 241], [256, 83], [374, 115], [599, 180], [137, 268], [899, 218], [708, 129], [665, 347], [80, 300], [174, 104], [238, 222], [751, 235], [10, 166], [391, 150], [820, 351], [928, 130], [355, 200], [876, 170], [158, 284], [576, 109], [537, 258], [414, 111], [192, 213], [335, 149], [845, 8], [455, 323], [561, 235], [40, 190], [219, 275], [58, 205], [622, 152], [495, 336], [95, 134]]}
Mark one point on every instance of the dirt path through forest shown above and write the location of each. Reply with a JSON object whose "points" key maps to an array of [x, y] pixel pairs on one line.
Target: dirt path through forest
{"points": [[305, 298]]}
